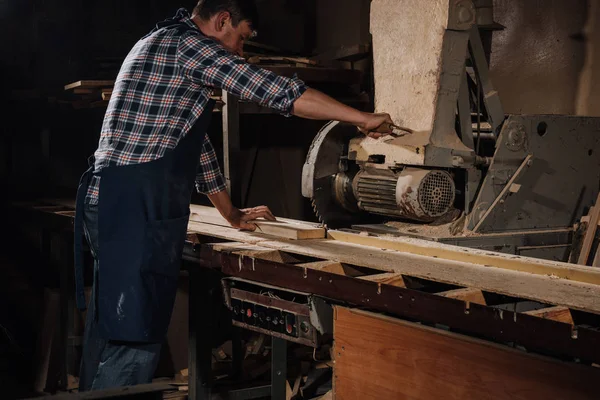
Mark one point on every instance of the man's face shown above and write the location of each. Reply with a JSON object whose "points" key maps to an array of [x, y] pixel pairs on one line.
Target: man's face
{"points": [[233, 38]]}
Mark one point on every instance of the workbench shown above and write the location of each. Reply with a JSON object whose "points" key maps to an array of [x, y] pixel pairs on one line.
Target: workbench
{"points": [[408, 322]]}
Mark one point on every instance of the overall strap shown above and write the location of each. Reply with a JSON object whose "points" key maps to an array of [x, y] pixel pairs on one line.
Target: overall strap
{"points": [[78, 234]]}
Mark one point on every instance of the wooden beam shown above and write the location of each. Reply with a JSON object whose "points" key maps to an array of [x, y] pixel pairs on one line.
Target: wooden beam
{"points": [[596, 262], [378, 357], [333, 267], [84, 91], [106, 94], [560, 314], [473, 256], [543, 288], [389, 278], [288, 229], [257, 252], [590, 234], [89, 84], [467, 294]]}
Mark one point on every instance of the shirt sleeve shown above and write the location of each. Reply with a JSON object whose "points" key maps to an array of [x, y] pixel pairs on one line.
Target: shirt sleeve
{"points": [[209, 179], [206, 62]]}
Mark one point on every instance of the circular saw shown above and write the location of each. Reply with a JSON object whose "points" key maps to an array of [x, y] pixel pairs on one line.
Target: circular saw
{"points": [[327, 177], [345, 191]]}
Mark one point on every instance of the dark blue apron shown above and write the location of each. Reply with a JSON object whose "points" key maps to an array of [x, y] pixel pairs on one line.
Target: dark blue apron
{"points": [[143, 212]]}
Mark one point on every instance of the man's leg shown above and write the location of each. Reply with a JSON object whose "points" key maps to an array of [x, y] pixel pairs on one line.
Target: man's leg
{"points": [[93, 344], [106, 364], [126, 364]]}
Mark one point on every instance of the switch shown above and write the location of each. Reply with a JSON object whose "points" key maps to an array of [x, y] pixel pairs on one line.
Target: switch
{"points": [[304, 327]]}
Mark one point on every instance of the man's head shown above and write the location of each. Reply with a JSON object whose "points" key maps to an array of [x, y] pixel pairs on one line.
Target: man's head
{"points": [[231, 22]]}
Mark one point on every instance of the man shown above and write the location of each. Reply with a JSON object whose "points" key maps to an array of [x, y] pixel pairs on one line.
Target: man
{"points": [[133, 202]]}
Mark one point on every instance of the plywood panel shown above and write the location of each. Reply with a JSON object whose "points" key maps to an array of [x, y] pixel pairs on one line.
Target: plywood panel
{"points": [[379, 357]]}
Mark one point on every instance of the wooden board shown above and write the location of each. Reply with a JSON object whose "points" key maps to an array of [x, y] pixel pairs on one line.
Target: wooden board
{"points": [[388, 278], [89, 84], [560, 314], [590, 234], [542, 288], [467, 295], [283, 228], [257, 252], [596, 262], [473, 256], [378, 357]]}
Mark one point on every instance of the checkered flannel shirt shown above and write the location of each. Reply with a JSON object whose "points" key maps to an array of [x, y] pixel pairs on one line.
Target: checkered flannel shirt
{"points": [[163, 87]]}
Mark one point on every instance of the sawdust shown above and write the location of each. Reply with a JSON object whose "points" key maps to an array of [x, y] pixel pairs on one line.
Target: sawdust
{"points": [[451, 226]]}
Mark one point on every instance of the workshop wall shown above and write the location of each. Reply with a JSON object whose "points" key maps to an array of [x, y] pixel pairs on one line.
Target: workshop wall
{"points": [[538, 58], [341, 23], [588, 99]]}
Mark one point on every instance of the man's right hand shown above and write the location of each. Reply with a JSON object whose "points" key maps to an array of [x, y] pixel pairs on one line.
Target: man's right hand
{"points": [[316, 105], [376, 125]]}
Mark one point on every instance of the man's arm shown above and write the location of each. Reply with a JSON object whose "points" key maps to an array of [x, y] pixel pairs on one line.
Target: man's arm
{"points": [[317, 105], [206, 62], [210, 181]]}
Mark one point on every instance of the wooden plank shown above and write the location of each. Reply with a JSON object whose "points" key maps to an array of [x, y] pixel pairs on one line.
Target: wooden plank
{"points": [[281, 228], [474, 256], [378, 357], [84, 91], [142, 391], [560, 314], [43, 348], [590, 234], [281, 59], [106, 94], [466, 294], [255, 251], [389, 278], [542, 288], [333, 267], [89, 84]]}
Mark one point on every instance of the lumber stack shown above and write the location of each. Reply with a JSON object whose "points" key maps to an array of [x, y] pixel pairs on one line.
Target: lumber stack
{"points": [[90, 93]]}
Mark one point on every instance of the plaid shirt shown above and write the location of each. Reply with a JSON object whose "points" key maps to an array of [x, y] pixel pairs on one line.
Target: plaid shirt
{"points": [[164, 85]]}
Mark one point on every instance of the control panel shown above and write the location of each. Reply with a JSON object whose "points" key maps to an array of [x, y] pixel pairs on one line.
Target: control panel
{"points": [[290, 315]]}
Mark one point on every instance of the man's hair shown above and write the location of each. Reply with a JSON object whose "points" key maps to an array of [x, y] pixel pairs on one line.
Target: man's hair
{"points": [[240, 10]]}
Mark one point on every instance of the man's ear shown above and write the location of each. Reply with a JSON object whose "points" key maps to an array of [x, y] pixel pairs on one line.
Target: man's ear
{"points": [[221, 20]]}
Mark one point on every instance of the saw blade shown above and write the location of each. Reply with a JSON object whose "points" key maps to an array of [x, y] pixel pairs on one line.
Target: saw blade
{"points": [[327, 158]]}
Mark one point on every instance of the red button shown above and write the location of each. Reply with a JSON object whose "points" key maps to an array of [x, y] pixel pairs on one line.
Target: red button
{"points": [[249, 313], [289, 328]]}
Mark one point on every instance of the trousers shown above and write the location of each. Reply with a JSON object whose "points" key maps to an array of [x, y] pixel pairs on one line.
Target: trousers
{"points": [[105, 363]]}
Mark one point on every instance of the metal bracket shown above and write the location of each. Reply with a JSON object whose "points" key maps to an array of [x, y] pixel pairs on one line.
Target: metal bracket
{"points": [[508, 188], [491, 98]]}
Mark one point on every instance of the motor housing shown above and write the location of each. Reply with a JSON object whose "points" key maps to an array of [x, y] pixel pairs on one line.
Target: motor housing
{"points": [[414, 193]]}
